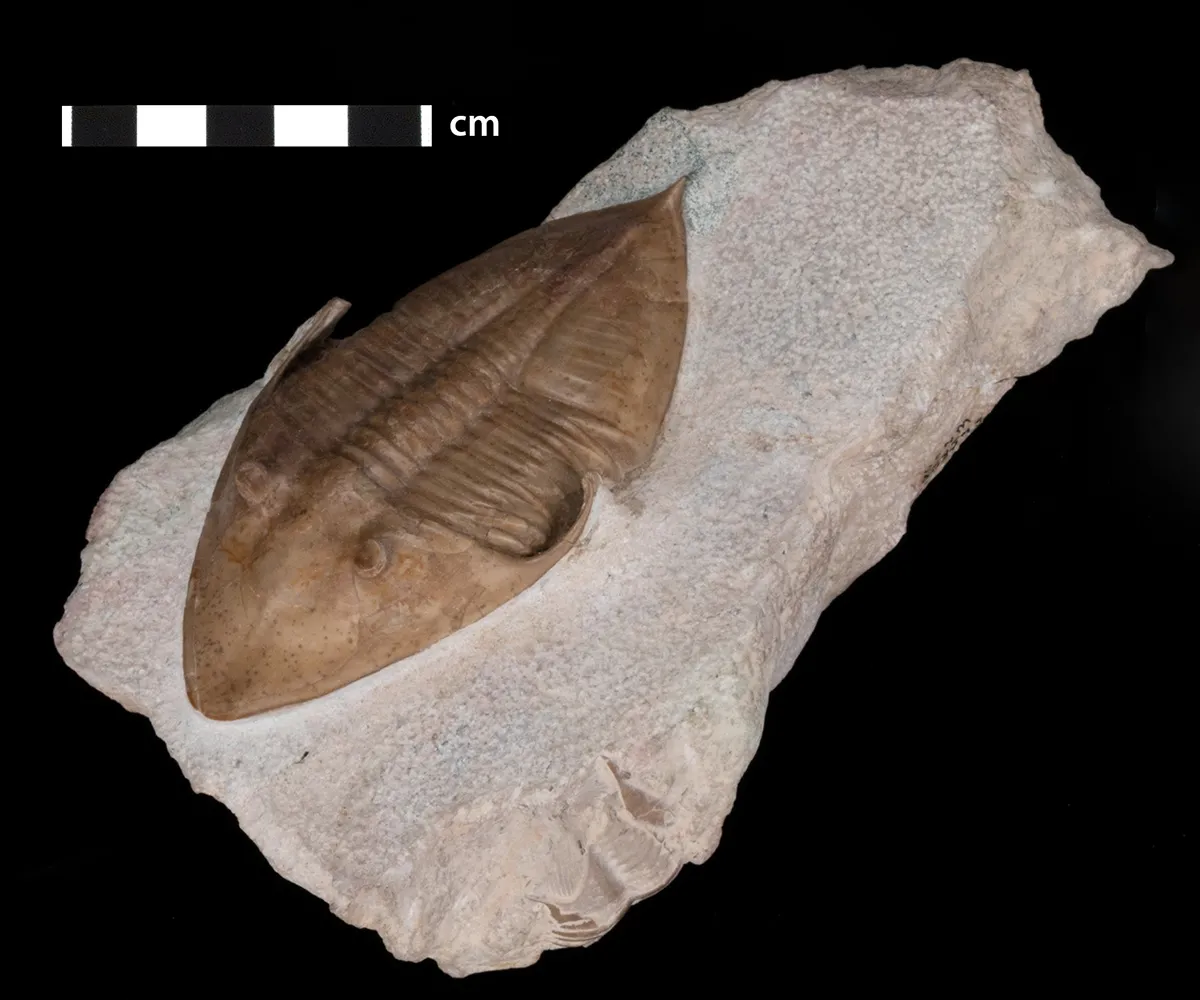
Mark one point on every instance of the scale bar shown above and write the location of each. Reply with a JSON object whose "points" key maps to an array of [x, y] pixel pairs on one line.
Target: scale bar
{"points": [[312, 125]]}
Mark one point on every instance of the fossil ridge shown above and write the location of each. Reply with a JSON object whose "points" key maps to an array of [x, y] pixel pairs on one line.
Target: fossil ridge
{"points": [[873, 257]]}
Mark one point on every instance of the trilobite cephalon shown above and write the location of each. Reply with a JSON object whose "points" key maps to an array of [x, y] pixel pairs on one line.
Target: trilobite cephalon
{"points": [[389, 488]]}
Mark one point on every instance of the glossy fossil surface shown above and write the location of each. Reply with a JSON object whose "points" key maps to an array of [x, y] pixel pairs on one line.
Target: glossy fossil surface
{"points": [[390, 488]]}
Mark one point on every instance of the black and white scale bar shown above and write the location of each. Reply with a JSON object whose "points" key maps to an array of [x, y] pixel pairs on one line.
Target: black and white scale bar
{"points": [[247, 125]]}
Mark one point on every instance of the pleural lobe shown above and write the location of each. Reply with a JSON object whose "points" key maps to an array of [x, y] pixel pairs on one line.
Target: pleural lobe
{"points": [[464, 430]]}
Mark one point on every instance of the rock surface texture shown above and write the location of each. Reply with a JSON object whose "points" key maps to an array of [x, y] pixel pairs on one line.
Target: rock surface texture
{"points": [[874, 256]]}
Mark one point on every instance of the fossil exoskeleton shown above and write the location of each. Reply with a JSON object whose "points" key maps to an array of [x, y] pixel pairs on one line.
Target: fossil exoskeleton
{"points": [[389, 488]]}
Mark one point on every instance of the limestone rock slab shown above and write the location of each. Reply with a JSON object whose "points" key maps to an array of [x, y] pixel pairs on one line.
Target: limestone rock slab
{"points": [[874, 257]]}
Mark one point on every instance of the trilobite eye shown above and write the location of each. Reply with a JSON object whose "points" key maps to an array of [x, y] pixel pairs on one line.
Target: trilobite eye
{"points": [[371, 557], [253, 482]]}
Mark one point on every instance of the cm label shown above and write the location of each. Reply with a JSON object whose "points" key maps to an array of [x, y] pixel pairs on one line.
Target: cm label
{"points": [[473, 121]]}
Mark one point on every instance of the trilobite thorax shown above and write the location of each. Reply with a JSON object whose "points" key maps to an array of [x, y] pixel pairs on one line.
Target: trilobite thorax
{"points": [[389, 488]]}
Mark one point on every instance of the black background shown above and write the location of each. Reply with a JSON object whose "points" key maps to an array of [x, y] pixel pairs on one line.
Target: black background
{"points": [[978, 767]]}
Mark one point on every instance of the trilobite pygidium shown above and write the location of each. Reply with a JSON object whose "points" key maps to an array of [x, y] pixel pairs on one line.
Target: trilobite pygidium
{"points": [[389, 488]]}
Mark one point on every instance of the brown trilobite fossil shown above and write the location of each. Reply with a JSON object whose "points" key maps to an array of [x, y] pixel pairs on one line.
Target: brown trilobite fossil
{"points": [[389, 488]]}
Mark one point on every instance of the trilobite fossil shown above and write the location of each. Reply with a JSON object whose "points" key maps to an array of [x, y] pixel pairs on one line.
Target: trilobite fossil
{"points": [[389, 488]]}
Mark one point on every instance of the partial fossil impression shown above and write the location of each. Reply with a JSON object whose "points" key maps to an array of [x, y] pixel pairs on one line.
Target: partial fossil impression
{"points": [[390, 488]]}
